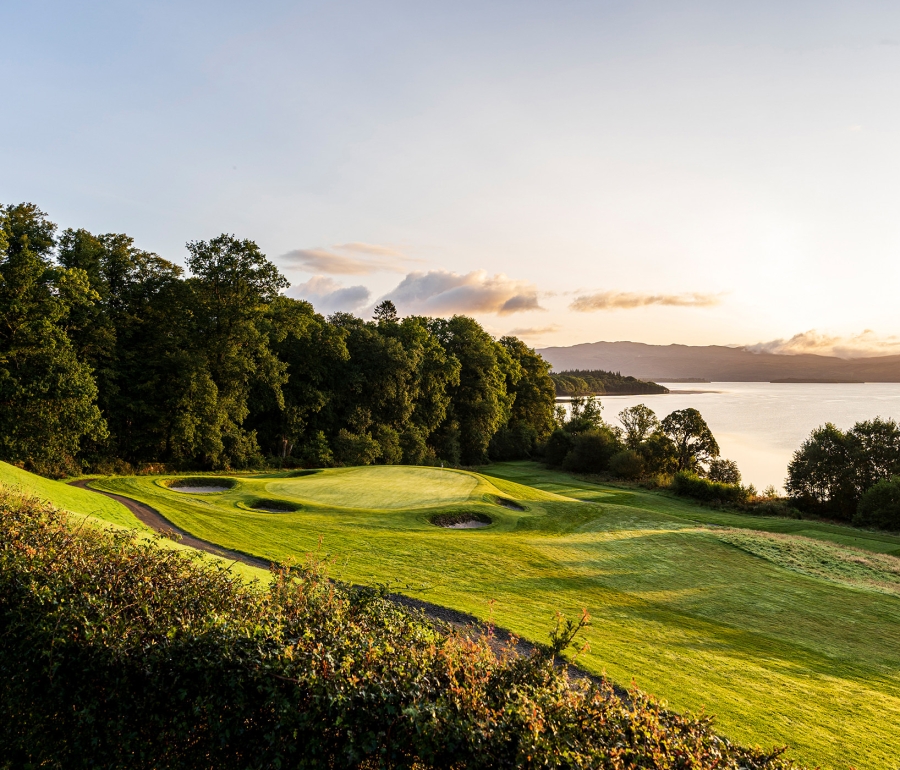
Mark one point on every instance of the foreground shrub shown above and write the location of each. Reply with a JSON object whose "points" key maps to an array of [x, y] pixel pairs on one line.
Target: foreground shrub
{"points": [[591, 451], [627, 464], [691, 485], [115, 653]]}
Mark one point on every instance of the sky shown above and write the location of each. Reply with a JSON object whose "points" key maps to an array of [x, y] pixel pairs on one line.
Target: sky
{"points": [[663, 172]]}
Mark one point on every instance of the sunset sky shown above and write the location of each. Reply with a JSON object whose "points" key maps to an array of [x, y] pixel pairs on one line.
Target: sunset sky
{"points": [[693, 172]]}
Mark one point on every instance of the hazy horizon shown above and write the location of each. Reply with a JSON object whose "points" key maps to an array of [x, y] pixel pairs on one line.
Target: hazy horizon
{"points": [[690, 173]]}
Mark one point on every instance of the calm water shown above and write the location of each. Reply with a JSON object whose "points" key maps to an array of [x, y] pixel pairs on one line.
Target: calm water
{"points": [[759, 424]]}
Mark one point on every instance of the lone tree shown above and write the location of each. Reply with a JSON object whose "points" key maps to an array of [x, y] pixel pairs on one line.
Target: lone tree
{"points": [[694, 441], [386, 311], [639, 422]]}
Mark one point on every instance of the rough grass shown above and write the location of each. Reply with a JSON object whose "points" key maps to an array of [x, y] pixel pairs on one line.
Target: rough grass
{"points": [[841, 564], [78, 501], [779, 654]]}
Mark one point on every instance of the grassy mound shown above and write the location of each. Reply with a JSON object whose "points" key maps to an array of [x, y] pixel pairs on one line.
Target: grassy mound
{"points": [[119, 654], [69, 498]]}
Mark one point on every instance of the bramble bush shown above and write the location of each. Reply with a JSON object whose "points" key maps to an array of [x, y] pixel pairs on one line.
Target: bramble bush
{"points": [[117, 653]]}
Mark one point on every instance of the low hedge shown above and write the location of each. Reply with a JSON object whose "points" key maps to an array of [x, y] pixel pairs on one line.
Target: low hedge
{"points": [[116, 653], [691, 485]]}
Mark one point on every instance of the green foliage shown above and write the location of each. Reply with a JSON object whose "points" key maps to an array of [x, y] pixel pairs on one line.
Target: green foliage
{"points": [[638, 422], [597, 382], [880, 505], [120, 654], [724, 471], [558, 446], [47, 396], [111, 358], [627, 464], [833, 469], [693, 440], [691, 485], [592, 451]]}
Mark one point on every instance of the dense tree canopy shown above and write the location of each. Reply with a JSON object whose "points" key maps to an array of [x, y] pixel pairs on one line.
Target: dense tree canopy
{"points": [[110, 354]]}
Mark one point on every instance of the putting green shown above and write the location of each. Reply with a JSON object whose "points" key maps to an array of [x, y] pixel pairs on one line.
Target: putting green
{"points": [[388, 487]]}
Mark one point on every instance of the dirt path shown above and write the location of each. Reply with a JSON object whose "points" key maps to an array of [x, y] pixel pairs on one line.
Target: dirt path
{"points": [[159, 523], [461, 621]]}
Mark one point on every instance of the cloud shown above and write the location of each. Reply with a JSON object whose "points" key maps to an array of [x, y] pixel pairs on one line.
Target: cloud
{"points": [[866, 343], [349, 259], [327, 295], [623, 300], [533, 331], [442, 292]]}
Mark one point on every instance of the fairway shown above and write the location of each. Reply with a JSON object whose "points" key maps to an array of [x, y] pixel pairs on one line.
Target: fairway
{"points": [[783, 647]]}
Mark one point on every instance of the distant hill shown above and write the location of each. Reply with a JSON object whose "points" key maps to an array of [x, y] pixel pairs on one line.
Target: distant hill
{"points": [[718, 363]]}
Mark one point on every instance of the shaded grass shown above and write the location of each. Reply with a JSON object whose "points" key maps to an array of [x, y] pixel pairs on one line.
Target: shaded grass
{"points": [[779, 655]]}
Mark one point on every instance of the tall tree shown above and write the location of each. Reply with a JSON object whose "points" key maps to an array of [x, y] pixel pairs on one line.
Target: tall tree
{"points": [[694, 441], [480, 403], [47, 396], [232, 284], [639, 422]]}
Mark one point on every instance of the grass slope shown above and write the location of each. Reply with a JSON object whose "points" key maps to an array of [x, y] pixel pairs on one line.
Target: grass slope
{"points": [[78, 501], [779, 654]]}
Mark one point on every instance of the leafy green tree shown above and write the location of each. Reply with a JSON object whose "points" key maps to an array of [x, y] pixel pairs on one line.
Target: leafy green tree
{"points": [[232, 286], [47, 396], [558, 446], [659, 453], [480, 404], [693, 440], [587, 415], [724, 471], [627, 464], [592, 451], [880, 506], [386, 312], [638, 422], [532, 417]]}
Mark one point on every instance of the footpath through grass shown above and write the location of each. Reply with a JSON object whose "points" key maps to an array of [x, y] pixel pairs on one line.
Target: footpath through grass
{"points": [[780, 653]]}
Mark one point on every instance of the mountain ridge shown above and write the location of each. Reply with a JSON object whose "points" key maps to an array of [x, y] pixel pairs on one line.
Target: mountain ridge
{"points": [[718, 363]]}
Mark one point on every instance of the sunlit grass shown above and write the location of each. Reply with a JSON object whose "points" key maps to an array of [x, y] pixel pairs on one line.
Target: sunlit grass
{"points": [[780, 656]]}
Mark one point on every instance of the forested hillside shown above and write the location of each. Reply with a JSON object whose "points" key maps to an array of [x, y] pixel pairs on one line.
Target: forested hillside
{"points": [[114, 357], [596, 382]]}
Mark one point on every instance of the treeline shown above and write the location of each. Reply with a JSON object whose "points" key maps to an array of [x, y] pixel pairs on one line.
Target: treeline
{"points": [[596, 382], [113, 357], [680, 445], [851, 475]]}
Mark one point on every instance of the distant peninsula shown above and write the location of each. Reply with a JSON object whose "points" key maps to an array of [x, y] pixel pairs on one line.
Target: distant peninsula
{"points": [[598, 382], [717, 363]]}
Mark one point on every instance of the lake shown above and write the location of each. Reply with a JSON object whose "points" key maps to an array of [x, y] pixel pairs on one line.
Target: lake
{"points": [[759, 425]]}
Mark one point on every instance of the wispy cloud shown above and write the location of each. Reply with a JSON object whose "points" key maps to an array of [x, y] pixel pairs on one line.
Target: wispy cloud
{"points": [[349, 259], [866, 343], [533, 331], [442, 292], [327, 295], [623, 300]]}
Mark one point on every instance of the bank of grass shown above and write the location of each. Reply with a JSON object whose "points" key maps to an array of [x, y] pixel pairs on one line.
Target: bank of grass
{"points": [[778, 655]]}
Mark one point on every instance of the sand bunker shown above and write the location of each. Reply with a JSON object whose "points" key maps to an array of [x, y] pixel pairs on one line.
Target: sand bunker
{"points": [[511, 504], [201, 486], [462, 520], [274, 506], [192, 490]]}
